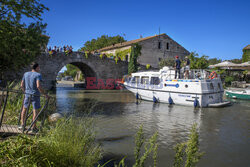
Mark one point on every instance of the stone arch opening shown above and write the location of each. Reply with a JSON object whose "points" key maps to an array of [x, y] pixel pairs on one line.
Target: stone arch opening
{"points": [[85, 69]]}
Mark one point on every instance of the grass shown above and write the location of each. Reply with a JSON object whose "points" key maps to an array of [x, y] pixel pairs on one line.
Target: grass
{"points": [[72, 143], [69, 143]]}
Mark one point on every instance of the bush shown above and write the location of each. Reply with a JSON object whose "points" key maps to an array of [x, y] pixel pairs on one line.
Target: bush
{"points": [[228, 80], [170, 62], [148, 66]]}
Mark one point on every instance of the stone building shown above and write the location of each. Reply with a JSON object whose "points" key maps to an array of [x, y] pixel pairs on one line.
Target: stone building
{"points": [[153, 49]]}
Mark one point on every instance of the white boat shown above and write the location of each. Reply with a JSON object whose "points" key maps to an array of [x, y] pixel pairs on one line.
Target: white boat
{"points": [[161, 86]]}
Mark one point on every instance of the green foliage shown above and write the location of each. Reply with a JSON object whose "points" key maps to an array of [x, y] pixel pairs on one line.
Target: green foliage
{"points": [[188, 151], [70, 143], [150, 146], [148, 66], [20, 43], [135, 53], [102, 42], [214, 61], [228, 80], [86, 55], [197, 62], [236, 61], [101, 56], [170, 62], [122, 53], [71, 70], [246, 55]]}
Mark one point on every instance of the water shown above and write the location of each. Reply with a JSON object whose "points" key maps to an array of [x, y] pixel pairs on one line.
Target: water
{"points": [[224, 132]]}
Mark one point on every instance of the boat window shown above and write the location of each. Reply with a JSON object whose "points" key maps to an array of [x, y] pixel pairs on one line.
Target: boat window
{"points": [[186, 86], [144, 80], [211, 86], [127, 79], [219, 86], [135, 79], [155, 81]]}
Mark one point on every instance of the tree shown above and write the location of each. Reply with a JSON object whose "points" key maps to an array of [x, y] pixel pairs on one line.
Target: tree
{"points": [[72, 71], [214, 61], [101, 42], [167, 62], [246, 55], [197, 62], [135, 52], [236, 61], [20, 43]]}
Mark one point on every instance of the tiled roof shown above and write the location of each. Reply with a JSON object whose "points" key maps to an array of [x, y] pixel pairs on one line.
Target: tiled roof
{"points": [[128, 43], [247, 47]]}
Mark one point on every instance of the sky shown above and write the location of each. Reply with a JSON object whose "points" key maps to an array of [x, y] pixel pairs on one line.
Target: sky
{"points": [[216, 28]]}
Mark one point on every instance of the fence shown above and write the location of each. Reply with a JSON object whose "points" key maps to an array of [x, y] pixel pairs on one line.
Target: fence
{"points": [[11, 105]]}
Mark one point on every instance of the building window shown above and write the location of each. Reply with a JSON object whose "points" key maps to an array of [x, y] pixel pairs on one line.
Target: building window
{"points": [[167, 46], [159, 59], [159, 45]]}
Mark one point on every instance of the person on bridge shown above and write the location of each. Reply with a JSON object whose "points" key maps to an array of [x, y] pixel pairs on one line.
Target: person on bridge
{"points": [[31, 85]]}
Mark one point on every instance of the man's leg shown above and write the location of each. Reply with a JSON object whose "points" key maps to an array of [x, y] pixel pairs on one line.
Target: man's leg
{"points": [[36, 107], [179, 73], [175, 75], [23, 115], [35, 112]]}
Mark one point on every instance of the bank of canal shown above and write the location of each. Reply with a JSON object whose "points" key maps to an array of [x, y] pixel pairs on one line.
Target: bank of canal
{"points": [[224, 132]]}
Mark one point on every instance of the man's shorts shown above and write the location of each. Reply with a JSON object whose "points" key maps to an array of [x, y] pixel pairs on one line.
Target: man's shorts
{"points": [[35, 101], [187, 68]]}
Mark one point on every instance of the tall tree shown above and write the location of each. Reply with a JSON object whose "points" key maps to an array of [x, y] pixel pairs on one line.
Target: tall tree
{"points": [[20, 43], [102, 42], [135, 52]]}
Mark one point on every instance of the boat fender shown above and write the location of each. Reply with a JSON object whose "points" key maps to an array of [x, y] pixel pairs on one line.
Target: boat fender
{"points": [[154, 99], [196, 102], [137, 96], [170, 100]]}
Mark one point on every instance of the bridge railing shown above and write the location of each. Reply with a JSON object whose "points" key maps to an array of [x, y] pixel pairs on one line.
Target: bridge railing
{"points": [[11, 106]]}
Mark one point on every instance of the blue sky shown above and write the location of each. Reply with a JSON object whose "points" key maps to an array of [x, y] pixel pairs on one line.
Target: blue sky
{"points": [[216, 28]]}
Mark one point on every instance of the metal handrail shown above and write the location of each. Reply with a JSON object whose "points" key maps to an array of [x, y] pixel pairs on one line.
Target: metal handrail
{"points": [[4, 100]]}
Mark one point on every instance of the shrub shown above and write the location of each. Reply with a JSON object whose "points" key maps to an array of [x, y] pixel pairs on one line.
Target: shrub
{"points": [[148, 66], [228, 80]]}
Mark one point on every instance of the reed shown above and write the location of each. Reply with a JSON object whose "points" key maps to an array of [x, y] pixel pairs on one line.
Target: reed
{"points": [[188, 151]]}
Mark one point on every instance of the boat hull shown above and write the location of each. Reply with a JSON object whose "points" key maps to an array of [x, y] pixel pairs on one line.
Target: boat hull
{"points": [[236, 95], [179, 98]]}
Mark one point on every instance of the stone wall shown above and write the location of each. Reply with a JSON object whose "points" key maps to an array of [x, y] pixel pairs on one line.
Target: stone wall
{"points": [[93, 66], [151, 54]]}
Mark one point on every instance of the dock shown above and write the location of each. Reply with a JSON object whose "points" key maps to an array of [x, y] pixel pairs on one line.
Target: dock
{"points": [[9, 130]]}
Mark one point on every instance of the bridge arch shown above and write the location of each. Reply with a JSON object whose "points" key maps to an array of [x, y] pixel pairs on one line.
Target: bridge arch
{"points": [[92, 66]]}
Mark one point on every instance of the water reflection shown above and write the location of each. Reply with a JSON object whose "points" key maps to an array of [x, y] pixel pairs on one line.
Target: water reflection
{"points": [[224, 133]]}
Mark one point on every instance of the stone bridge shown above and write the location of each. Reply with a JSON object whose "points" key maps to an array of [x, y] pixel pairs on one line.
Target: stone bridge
{"points": [[93, 66]]}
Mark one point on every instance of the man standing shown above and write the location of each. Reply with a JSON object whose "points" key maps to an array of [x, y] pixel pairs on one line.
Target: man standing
{"points": [[31, 85], [177, 67]]}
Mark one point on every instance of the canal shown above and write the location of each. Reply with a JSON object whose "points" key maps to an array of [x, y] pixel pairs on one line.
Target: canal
{"points": [[224, 132]]}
